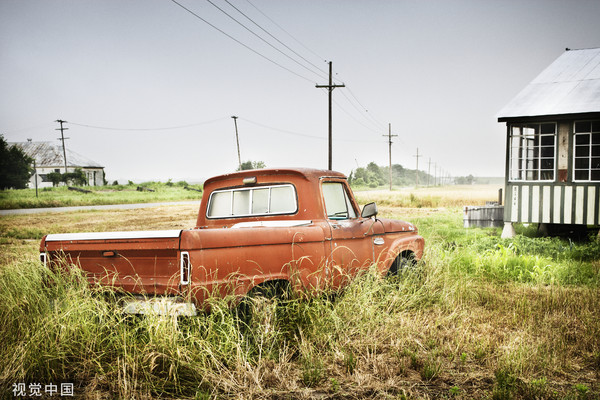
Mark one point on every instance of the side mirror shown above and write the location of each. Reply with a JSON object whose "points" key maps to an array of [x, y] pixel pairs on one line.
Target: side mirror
{"points": [[369, 210]]}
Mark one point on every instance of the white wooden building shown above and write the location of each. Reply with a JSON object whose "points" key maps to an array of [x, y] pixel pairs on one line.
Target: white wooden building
{"points": [[553, 145], [49, 158]]}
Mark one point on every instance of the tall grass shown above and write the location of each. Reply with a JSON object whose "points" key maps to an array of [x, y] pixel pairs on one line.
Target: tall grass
{"points": [[482, 317]]}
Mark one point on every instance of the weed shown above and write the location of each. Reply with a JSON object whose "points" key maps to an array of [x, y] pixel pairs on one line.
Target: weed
{"points": [[430, 369], [505, 387], [335, 385], [581, 391], [350, 361], [313, 370]]}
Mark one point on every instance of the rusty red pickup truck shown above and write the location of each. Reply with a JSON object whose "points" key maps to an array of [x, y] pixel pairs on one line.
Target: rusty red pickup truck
{"points": [[297, 227]]}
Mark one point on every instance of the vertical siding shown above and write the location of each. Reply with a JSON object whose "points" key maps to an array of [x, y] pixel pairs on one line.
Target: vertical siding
{"points": [[535, 204], [553, 204], [525, 211], [514, 215], [591, 206], [568, 207], [546, 205], [557, 205]]}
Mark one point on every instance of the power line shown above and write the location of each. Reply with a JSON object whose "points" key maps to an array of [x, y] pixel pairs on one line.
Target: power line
{"points": [[288, 132], [289, 34], [322, 74], [239, 42], [282, 130], [260, 37], [375, 128], [148, 129], [354, 118], [379, 123]]}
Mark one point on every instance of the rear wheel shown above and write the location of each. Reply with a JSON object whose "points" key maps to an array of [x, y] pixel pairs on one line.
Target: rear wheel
{"points": [[272, 290]]}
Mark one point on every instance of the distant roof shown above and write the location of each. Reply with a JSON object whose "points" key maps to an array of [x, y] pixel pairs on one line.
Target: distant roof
{"points": [[570, 85], [48, 154]]}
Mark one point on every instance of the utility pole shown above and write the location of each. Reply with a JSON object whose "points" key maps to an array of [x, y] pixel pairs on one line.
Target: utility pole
{"points": [[237, 139], [389, 135], [428, 171], [417, 174], [63, 138], [330, 87], [36, 177]]}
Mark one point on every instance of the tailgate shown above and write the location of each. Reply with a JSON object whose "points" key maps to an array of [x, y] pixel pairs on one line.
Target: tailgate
{"points": [[139, 262]]}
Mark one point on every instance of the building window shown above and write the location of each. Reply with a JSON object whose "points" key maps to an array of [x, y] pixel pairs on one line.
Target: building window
{"points": [[532, 152], [587, 151], [245, 202]]}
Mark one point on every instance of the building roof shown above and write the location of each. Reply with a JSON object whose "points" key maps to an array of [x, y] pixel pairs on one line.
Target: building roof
{"points": [[48, 154], [570, 85]]}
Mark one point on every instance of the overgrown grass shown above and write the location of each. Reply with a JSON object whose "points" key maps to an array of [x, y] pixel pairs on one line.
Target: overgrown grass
{"points": [[483, 317], [119, 194], [432, 197]]}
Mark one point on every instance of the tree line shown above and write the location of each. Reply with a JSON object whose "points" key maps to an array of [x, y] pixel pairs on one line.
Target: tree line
{"points": [[373, 176]]}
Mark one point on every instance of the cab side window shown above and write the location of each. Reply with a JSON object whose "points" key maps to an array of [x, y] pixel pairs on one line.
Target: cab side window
{"points": [[337, 201]]}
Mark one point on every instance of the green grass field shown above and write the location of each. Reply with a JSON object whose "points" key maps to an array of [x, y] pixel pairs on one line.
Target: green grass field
{"points": [[482, 317], [121, 194]]}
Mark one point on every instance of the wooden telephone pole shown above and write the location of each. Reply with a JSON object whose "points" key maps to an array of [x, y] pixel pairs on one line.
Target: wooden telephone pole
{"points": [[389, 135], [237, 139], [330, 87], [417, 174], [63, 138]]}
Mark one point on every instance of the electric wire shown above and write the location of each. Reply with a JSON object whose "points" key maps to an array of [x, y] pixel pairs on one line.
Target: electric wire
{"points": [[362, 110], [289, 34], [322, 73], [379, 123], [261, 38], [355, 119], [148, 129], [300, 134], [240, 42], [376, 126]]}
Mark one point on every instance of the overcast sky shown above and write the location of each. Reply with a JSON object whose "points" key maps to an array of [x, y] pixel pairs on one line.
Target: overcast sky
{"points": [[163, 84]]}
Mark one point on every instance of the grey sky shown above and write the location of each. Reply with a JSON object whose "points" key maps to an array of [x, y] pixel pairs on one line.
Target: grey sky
{"points": [[438, 71]]}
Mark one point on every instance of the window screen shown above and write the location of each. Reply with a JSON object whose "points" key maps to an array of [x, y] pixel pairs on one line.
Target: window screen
{"points": [[587, 151], [532, 152]]}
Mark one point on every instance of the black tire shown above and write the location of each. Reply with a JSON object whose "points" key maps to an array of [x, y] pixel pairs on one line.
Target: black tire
{"points": [[403, 263], [279, 290]]}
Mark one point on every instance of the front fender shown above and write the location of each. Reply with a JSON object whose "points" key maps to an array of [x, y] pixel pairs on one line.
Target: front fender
{"points": [[402, 243]]}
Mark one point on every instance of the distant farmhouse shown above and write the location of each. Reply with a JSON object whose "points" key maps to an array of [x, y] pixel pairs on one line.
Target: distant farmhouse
{"points": [[553, 145], [49, 157]]}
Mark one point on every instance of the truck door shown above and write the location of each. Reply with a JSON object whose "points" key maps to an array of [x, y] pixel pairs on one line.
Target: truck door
{"points": [[351, 237]]}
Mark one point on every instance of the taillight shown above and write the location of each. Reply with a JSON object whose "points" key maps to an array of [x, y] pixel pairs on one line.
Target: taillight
{"points": [[185, 268], [43, 258]]}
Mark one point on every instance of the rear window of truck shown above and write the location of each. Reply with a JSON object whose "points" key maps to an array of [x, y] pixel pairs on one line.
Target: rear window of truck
{"points": [[244, 202]]}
